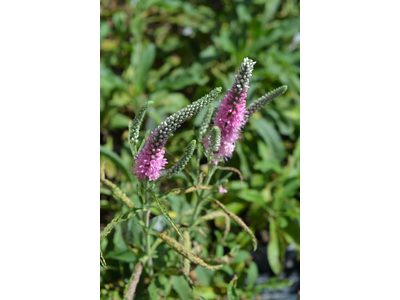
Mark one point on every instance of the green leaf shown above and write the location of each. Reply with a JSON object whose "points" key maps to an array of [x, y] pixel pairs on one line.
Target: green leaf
{"points": [[117, 161], [232, 293], [167, 216], [252, 274], [293, 229], [181, 286], [109, 81], [266, 163], [284, 192], [244, 166], [291, 188], [234, 250], [180, 78], [153, 292], [273, 283], [241, 256], [119, 121], [104, 30], [271, 137], [144, 65], [118, 240], [271, 8], [205, 276], [243, 13], [224, 41], [167, 103], [273, 248], [121, 255], [251, 196]]}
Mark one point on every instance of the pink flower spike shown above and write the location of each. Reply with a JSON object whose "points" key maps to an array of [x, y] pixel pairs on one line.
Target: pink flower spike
{"points": [[232, 113], [149, 166]]}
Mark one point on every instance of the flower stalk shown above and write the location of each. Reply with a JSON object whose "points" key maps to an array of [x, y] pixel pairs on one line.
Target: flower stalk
{"points": [[146, 220]]}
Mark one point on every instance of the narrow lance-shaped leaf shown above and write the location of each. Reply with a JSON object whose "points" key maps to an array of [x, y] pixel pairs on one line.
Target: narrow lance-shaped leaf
{"points": [[182, 288], [186, 252], [183, 160], [134, 126], [130, 288], [240, 222], [167, 216], [273, 248], [232, 294], [154, 295], [260, 102]]}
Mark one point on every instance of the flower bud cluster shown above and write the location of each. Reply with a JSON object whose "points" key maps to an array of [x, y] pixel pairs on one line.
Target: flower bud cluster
{"points": [[134, 125], [183, 160], [260, 102], [206, 121], [214, 140], [241, 83]]}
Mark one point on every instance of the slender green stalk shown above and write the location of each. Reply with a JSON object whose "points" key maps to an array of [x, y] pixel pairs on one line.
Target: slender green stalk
{"points": [[200, 195], [148, 247], [146, 220]]}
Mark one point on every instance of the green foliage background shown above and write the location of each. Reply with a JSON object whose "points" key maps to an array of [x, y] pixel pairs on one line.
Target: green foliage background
{"points": [[174, 52]]}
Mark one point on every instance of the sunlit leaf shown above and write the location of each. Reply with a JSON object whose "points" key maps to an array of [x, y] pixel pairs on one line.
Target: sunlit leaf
{"points": [[273, 248]]}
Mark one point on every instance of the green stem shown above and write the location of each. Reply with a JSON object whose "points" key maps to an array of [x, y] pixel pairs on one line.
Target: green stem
{"points": [[200, 196], [146, 217]]}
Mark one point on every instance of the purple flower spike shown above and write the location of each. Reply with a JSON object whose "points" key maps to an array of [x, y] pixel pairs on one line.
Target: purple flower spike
{"points": [[231, 115]]}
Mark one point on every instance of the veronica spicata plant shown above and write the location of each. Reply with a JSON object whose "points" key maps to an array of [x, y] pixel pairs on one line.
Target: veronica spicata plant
{"points": [[218, 134]]}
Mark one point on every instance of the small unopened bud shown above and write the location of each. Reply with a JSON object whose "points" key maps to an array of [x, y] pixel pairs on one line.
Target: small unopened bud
{"points": [[214, 140], [206, 121], [260, 102], [181, 163], [134, 125]]}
